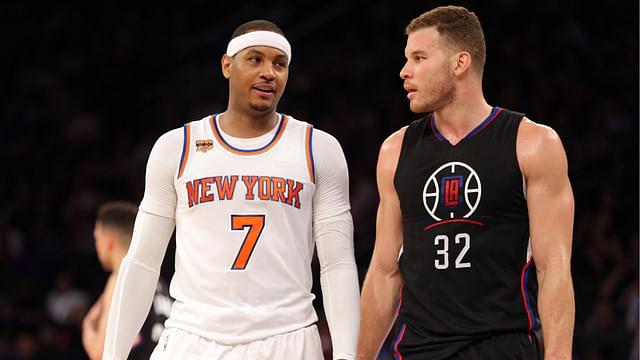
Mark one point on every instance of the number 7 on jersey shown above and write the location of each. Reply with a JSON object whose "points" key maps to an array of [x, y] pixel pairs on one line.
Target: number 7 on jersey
{"points": [[255, 223]]}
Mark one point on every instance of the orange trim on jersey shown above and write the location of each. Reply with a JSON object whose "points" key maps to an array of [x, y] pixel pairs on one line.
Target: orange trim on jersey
{"points": [[230, 148], [185, 149], [309, 151]]}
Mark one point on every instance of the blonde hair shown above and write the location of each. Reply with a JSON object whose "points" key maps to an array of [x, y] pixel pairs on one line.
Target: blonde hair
{"points": [[460, 29]]}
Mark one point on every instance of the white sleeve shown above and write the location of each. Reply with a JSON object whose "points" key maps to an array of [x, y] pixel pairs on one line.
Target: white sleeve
{"points": [[333, 234], [160, 193], [140, 269], [136, 284]]}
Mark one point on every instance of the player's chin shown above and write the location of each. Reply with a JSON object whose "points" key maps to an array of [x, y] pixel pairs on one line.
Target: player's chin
{"points": [[262, 106], [417, 107]]}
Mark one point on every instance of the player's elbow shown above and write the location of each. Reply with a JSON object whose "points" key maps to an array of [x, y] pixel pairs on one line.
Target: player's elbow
{"points": [[558, 268], [93, 352]]}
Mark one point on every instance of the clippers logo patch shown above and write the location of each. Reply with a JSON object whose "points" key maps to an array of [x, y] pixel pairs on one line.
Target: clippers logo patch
{"points": [[451, 186], [453, 191]]}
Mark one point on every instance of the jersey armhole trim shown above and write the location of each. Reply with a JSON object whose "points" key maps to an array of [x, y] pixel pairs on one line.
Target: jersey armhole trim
{"points": [[401, 154], [309, 153], [185, 149]]}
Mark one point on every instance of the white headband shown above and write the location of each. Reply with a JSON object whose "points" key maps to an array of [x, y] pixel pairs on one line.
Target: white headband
{"points": [[259, 38]]}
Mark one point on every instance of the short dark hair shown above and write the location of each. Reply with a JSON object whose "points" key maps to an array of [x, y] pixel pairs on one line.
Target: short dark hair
{"points": [[256, 25], [459, 27], [119, 216]]}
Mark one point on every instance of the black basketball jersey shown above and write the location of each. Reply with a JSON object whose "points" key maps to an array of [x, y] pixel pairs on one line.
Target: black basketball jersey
{"points": [[465, 260], [154, 323]]}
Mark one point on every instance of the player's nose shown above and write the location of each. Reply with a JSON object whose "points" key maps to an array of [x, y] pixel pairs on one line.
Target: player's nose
{"points": [[268, 72], [404, 72]]}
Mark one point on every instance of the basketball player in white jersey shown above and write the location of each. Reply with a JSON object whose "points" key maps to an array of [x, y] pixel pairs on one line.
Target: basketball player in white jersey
{"points": [[250, 192]]}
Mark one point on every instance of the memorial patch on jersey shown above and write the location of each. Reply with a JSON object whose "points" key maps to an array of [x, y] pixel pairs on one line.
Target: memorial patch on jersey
{"points": [[266, 188], [453, 191], [204, 145]]}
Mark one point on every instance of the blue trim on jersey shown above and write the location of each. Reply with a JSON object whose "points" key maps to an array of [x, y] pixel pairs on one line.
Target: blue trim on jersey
{"points": [[396, 352], [184, 148], [435, 130], [531, 312], [492, 115], [280, 122]]}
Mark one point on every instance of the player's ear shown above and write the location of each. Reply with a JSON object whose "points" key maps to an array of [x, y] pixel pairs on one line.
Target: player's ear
{"points": [[462, 62], [225, 64]]}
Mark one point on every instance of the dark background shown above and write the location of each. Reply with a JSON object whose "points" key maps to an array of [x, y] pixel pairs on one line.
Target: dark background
{"points": [[87, 88]]}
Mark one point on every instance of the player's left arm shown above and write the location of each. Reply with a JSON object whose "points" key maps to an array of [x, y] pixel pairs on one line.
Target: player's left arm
{"points": [[551, 207], [333, 235]]}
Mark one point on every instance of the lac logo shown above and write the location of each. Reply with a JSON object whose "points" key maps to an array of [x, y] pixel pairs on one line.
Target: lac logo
{"points": [[453, 191]]}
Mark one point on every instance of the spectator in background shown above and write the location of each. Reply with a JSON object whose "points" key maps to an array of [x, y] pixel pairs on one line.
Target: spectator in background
{"points": [[66, 303]]}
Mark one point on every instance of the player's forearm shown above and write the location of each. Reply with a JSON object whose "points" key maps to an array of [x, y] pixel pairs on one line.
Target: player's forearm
{"points": [[379, 301], [91, 346], [132, 300], [556, 304], [341, 299], [94, 353], [339, 281]]}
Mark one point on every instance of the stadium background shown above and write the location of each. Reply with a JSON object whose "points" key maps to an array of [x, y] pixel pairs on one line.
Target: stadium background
{"points": [[88, 87]]}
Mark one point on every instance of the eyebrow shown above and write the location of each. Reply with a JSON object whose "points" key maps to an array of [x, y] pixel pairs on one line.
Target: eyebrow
{"points": [[258, 52], [416, 53]]}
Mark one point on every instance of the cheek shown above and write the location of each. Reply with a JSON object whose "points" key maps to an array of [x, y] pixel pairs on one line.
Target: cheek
{"points": [[241, 75], [282, 80], [425, 76]]}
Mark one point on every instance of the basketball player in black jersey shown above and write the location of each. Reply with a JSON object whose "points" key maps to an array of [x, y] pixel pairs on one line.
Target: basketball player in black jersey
{"points": [[112, 234], [474, 225]]}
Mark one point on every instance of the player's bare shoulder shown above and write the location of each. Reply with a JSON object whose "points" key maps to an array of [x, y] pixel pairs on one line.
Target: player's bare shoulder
{"points": [[388, 160], [537, 144], [390, 150]]}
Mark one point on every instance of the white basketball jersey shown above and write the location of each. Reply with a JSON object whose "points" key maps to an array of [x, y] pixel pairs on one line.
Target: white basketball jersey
{"points": [[243, 234]]}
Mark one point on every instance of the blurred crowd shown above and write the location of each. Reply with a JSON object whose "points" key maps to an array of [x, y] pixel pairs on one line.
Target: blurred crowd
{"points": [[87, 89]]}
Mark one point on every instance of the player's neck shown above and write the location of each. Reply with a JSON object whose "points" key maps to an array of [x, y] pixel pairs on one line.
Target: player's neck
{"points": [[116, 260], [244, 125], [461, 116]]}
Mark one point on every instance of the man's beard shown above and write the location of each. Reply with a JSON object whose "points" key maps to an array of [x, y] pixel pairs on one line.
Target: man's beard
{"points": [[444, 97], [259, 107]]}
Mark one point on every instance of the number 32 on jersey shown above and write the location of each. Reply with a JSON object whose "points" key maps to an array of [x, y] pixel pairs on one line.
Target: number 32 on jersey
{"points": [[442, 251]]}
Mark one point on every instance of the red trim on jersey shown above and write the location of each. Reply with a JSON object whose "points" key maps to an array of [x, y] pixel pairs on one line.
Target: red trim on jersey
{"points": [[523, 280], [403, 330], [185, 149], [401, 335], [453, 221]]}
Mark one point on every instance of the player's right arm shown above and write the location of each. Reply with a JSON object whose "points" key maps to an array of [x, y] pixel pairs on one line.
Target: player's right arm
{"points": [[94, 325], [140, 269], [383, 282]]}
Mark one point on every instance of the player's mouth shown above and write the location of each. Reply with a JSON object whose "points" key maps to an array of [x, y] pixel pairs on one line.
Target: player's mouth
{"points": [[264, 89], [410, 91]]}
